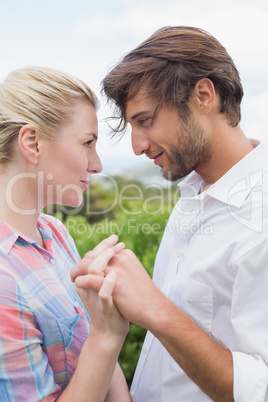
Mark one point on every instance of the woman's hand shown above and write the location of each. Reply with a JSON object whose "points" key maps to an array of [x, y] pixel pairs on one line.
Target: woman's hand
{"points": [[104, 315], [95, 370], [95, 261]]}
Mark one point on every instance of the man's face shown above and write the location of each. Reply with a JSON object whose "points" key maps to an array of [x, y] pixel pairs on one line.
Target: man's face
{"points": [[178, 145]]}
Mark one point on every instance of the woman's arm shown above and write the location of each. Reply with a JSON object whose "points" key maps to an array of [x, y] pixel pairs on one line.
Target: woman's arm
{"points": [[94, 371], [118, 390], [97, 363]]}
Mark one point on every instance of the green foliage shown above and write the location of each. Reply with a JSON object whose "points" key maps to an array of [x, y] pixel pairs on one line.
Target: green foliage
{"points": [[138, 215]]}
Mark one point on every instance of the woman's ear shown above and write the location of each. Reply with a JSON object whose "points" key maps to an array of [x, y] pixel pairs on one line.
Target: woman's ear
{"points": [[205, 95], [28, 141]]}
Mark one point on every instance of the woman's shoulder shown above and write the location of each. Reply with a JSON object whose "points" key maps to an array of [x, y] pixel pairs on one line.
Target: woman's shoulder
{"points": [[59, 232], [49, 221]]}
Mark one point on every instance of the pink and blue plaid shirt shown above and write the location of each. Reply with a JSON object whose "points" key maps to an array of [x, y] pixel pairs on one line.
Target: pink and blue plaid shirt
{"points": [[43, 324]]}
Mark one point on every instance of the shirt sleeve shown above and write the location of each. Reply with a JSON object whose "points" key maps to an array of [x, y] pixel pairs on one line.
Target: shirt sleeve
{"points": [[249, 318], [250, 378], [25, 374]]}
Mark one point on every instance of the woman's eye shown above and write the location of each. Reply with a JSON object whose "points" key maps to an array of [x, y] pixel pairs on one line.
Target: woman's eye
{"points": [[88, 143]]}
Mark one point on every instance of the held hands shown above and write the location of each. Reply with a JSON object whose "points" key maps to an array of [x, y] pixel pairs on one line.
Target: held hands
{"points": [[98, 300], [135, 295], [133, 291]]}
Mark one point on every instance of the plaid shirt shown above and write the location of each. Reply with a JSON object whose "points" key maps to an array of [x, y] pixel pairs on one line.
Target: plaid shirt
{"points": [[43, 325]]}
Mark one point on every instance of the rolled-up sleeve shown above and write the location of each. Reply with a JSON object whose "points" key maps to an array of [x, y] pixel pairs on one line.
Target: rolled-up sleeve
{"points": [[250, 378], [250, 323]]}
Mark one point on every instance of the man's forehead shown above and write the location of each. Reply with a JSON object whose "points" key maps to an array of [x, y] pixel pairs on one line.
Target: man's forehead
{"points": [[138, 104]]}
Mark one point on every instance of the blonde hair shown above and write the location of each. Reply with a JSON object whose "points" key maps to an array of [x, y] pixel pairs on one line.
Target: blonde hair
{"points": [[41, 96]]}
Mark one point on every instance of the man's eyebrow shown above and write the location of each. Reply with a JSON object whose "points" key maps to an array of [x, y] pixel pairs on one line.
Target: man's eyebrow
{"points": [[137, 115]]}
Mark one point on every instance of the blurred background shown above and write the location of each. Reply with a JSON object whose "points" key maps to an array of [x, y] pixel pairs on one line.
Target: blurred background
{"points": [[86, 38]]}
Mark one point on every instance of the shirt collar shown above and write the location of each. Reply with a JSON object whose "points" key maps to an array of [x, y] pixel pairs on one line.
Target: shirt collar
{"points": [[234, 187], [10, 235]]}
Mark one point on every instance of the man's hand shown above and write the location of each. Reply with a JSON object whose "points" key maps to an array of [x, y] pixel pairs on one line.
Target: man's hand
{"points": [[134, 290]]}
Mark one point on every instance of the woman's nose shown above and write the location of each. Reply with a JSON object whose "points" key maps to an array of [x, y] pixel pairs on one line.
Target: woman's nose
{"points": [[94, 164]]}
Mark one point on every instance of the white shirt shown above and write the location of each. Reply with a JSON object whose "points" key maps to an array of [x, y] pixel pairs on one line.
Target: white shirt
{"points": [[213, 264]]}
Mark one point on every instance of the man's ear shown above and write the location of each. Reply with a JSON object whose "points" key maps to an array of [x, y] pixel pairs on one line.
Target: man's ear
{"points": [[205, 95], [28, 141]]}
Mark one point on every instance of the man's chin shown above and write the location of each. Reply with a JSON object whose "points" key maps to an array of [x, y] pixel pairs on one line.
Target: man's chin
{"points": [[171, 176], [168, 175]]}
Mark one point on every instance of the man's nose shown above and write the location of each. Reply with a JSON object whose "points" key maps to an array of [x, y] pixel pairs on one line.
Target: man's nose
{"points": [[139, 142]]}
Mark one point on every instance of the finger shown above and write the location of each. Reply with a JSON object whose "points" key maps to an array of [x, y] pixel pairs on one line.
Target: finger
{"points": [[98, 265], [79, 269], [128, 252], [93, 282], [103, 245], [85, 266], [107, 287], [119, 247]]}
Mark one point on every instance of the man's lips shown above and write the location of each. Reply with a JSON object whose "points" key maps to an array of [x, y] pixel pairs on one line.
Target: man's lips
{"points": [[156, 158]]}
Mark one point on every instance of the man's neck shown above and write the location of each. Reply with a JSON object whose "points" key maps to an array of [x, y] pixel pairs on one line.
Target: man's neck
{"points": [[227, 150]]}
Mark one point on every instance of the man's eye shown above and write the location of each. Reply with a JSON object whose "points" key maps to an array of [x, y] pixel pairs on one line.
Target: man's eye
{"points": [[143, 121]]}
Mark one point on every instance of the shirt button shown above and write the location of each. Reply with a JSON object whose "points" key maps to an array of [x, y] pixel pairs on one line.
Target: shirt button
{"points": [[52, 261], [179, 253], [132, 394], [76, 304], [145, 349]]}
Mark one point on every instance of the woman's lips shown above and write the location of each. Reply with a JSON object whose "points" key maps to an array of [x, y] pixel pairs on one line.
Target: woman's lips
{"points": [[85, 183]]}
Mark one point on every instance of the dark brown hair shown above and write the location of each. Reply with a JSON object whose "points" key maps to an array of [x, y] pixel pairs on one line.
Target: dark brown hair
{"points": [[168, 65]]}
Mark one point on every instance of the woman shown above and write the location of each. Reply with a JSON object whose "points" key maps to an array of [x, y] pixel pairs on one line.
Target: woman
{"points": [[48, 134]]}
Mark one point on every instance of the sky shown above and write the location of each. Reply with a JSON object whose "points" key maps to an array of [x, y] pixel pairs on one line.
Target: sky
{"points": [[86, 38]]}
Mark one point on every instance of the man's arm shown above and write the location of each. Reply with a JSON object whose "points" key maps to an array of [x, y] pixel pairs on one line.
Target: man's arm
{"points": [[202, 358]]}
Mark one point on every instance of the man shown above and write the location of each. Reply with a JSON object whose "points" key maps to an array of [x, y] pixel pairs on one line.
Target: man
{"points": [[206, 309]]}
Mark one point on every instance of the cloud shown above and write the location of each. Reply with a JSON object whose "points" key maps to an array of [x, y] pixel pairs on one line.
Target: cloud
{"points": [[241, 26], [255, 117], [86, 38]]}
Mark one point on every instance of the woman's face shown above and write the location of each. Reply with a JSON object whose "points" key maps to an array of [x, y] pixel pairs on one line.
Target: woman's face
{"points": [[68, 162]]}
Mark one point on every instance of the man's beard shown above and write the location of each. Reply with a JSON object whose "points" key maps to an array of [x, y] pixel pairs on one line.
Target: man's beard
{"points": [[189, 150]]}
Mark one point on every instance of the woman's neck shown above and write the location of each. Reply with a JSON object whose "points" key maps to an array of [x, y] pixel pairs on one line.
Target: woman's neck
{"points": [[19, 204]]}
